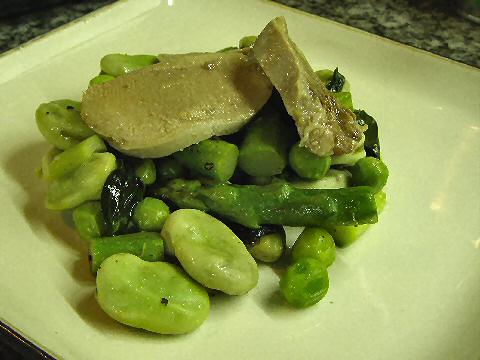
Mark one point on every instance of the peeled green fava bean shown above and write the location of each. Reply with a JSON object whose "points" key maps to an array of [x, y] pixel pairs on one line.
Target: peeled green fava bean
{"points": [[308, 165], [147, 246], [370, 171], [305, 282], [155, 296], [150, 214], [69, 160], [83, 184], [100, 79], [269, 247], [46, 160], [316, 243], [60, 123], [120, 64], [88, 220], [214, 159], [146, 171], [210, 252]]}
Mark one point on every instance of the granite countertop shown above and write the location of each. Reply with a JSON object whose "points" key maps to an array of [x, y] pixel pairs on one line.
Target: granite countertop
{"points": [[432, 25]]}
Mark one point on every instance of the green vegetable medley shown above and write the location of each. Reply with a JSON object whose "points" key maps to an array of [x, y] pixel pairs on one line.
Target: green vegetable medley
{"points": [[164, 234]]}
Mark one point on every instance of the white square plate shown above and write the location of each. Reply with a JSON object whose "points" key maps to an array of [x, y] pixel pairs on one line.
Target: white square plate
{"points": [[409, 289]]}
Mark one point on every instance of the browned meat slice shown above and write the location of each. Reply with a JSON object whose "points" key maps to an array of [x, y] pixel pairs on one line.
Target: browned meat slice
{"points": [[325, 128], [180, 101]]}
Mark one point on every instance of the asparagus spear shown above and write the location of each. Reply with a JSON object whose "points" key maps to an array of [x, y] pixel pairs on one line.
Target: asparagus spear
{"points": [[277, 203], [146, 245], [264, 150]]}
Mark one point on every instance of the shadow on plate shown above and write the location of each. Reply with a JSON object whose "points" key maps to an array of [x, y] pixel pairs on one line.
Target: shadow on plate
{"points": [[94, 316], [21, 166]]}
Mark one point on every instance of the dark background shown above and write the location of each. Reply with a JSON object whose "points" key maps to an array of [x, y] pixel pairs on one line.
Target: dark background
{"points": [[432, 25]]}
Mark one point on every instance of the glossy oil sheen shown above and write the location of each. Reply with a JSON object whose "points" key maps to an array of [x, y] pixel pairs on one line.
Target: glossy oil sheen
{"points": [[409, 289]]}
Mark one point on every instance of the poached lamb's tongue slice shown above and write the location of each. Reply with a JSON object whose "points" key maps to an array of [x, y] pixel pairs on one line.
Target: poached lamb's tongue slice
{"points": [[178, 102], [324, 127]]}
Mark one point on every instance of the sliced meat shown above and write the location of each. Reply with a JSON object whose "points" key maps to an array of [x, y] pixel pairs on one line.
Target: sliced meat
{"points": [[324, 127], [180, 101]]}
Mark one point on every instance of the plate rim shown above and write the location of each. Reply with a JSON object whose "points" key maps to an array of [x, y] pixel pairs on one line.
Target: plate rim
{"points": [[7, 331]]}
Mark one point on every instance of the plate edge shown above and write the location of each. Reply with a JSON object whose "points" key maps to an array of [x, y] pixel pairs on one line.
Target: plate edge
{"points": [[20, 342], [382, 38]]}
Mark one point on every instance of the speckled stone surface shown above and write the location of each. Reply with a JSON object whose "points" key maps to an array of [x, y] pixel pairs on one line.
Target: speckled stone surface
{"points": [[432, 25]]}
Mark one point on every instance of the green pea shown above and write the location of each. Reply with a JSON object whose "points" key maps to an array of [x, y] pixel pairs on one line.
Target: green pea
{"points": [[269, 248], [316, 243], [150, 214], [60, 123], [120, 64], [155, 296], [83, 184], [89, 221], [370, 171], [146, 171], [210, 252], [247, 41], [304, 283], [100, 79], [308, 165], [69, 160]]}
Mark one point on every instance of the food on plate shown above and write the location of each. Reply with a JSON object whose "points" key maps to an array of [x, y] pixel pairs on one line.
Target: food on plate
{"points": [[165, 107], [210, 252], [324, 127], [155, 296], [183, 170]]}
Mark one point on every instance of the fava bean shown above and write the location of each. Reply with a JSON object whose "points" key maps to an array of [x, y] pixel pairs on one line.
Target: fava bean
{"points": [[69, 160], [83, 184], [60, 123], [210, 252], [120, 64], [155, 296], [88, 220]]}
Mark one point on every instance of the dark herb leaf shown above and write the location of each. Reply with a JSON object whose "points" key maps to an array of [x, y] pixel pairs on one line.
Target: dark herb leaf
{"points": [[337, 82], [372, 143], [121, 193]]}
